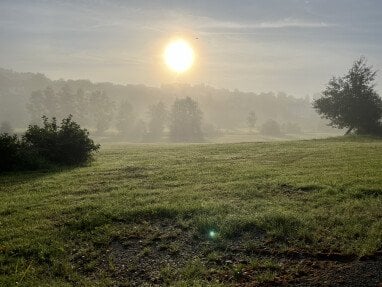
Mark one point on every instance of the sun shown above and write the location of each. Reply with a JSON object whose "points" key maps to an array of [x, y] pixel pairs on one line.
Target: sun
{"points": [[179, 56]]}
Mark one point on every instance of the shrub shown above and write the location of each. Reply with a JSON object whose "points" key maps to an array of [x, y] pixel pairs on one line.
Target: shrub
{"points": [[67, 144], [42, 147], [9, 151], [73, 143], [17, 155]]}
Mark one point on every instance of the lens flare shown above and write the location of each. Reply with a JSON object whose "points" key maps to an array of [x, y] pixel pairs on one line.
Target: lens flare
{"points": [[212, 234]]}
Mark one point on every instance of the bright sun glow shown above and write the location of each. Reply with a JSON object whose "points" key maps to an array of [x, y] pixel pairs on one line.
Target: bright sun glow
{"points": [[179, 56]]}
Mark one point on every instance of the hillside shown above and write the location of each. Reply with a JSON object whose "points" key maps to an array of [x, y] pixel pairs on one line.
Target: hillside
{"points": [[222, 108], [298, 212]]}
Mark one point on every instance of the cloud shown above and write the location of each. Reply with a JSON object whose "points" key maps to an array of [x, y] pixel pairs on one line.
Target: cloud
{"points": [[279, 24]]}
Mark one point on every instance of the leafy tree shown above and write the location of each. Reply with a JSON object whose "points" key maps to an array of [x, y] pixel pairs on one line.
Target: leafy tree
{"points": [[251, 119], [6, 128], [157, 120], [43, 102], [102, 110], [36, 106], [81, 112], [351, 102], [185, 122], [125, 119], [67, 102]]}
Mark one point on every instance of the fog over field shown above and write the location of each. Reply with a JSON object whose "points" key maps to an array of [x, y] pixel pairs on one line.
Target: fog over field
{"points": [[268, 58], [191, 143], [25, 97]]}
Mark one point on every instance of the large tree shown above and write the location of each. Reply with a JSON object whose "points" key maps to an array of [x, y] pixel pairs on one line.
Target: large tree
{"points": [[43, 102], [58, 104], [102, 110], [157, 119], [185, 121], [126, 119], [351, 102]]}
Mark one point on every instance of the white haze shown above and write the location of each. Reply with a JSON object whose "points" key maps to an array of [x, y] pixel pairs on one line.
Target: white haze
{"points": [[292, 46]]}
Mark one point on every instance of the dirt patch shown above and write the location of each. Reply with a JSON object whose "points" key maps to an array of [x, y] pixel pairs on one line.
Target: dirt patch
{"points": [[159, 253]]}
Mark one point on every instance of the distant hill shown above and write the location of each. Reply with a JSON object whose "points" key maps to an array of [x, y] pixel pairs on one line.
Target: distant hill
{"points": [[221, 107]]}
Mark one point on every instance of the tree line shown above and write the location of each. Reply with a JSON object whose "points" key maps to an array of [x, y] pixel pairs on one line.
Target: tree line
{"points": [[96, 111], [223, 110], [143, 113], [182, 122]]}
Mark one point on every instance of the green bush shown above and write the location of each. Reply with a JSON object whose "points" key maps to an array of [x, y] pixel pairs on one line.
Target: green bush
{"points": [[9, 151], [67, 144], [42, 147]]}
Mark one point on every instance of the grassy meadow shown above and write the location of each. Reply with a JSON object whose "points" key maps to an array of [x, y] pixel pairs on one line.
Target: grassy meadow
{"points": [[196, 215]]}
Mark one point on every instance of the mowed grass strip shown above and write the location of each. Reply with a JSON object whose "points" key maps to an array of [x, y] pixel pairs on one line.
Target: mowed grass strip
{"points": [[313, 196]]}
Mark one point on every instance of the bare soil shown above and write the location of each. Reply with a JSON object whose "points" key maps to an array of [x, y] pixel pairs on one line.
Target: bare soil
{"points": [[157, 254]]}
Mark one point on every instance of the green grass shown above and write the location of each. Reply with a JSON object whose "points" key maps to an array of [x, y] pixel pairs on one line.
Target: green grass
{"points": [[311, 196]]}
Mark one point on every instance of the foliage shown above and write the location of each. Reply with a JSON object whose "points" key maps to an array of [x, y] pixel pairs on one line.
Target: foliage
{"points": [[9, 151], [42, 102], [67, 144], [224, 108], [351, 101], [271, 127], [16, 155], [51, 144], [73, 143], [125, 118], [185, 121], [158, 116], [102, 108], [128, 125], [93, 109]]}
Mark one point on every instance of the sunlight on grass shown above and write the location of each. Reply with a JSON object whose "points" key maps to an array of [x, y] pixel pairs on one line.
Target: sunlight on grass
{"points": [[314, 196]]}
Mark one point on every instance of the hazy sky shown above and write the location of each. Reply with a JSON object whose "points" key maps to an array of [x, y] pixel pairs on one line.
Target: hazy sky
{"points": [[286, 45]]}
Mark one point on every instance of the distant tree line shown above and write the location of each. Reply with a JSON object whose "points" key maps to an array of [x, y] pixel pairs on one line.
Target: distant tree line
{"points": [[141, 113], [93, 109], [96, 111], [183, 121], [223, 110]]}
